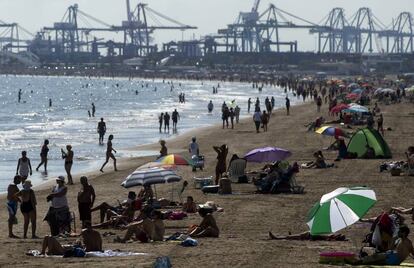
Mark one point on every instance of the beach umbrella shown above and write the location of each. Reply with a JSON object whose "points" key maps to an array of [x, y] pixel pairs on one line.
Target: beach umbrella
{"points": [[340, 209], [331, 131], [357, 91], [339, 107], [174, 159], [157, 164], [356, 109], [267, 154], [353, 85], [353, 96], [150, 176]]}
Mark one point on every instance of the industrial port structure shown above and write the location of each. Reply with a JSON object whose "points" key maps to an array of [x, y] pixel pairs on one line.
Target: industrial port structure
{"points": [[74, 38]]}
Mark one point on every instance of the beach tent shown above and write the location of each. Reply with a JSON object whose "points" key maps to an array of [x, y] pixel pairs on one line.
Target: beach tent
{"points": [[369, 137]]}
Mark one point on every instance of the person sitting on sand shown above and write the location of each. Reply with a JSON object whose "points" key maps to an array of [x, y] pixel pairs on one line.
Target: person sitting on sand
{"points": [[402, 248], [308, 236], [208, 226], [319, 161], [150, 227], [121, 215], [146, 194], [92, 241], [164, 150], [190, 206]]}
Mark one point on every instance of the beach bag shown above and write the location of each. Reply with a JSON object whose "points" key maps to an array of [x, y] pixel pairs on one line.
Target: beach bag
{"points": [[177, 216], [162, 262], [243, 179], [189, 242]]}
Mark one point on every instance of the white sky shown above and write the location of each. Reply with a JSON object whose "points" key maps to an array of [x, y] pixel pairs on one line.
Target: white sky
{"points": [[208, 15]]}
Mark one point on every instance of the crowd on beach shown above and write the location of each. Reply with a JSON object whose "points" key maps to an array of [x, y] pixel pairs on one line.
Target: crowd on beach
{"points": [[142, 216]]}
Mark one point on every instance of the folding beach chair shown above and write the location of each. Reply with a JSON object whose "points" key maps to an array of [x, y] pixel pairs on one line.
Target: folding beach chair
{"points": [[237, 169]]}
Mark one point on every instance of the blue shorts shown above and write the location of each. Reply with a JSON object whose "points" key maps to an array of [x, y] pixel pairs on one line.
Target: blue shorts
{"points": [[392, 258]]}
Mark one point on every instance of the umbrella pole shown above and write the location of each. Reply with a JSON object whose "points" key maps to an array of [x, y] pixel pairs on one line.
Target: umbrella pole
{"points": [[155, 188]]}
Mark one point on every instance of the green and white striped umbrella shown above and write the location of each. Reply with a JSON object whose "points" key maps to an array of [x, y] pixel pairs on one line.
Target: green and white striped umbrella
{"points": [[340, 209]]}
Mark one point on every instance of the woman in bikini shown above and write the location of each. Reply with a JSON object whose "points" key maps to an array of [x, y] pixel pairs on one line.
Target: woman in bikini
{"points": [[68, 156], [109, 154]]}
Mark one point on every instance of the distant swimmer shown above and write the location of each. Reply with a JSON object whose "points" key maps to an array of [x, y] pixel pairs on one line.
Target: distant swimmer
{"points": [[93, 109], [136, 92], [101, 129], [210, 106], [19, 96], [50, 103], [43, 155], [68, 156], [109, 154]]}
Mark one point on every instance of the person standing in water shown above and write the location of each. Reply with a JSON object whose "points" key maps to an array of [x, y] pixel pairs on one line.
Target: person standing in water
{"points": [[166, 122], [19, 95], [287, 105], [101, 131], [160, 120], [109, 154], [249, 103], [210, 106], [24, 168], [175, 117], [68, 156], [50, 103], [43, 155], [93, 109], [237, 113]]}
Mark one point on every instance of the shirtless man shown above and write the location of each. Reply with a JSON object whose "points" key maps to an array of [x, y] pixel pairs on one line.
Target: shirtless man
{"points": [[92, 241], [86, 198], [208, 226], [151, 227], [101, 129], [12, 202], [403, 248]]}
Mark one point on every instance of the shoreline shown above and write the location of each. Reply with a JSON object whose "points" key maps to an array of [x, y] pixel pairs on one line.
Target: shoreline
{"points": [[127, 161]]}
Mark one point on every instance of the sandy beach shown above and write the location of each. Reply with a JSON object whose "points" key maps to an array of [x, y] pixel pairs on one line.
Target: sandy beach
{"points": [[247, 216]]}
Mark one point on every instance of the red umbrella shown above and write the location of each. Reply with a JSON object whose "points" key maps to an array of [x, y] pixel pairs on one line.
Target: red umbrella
{"points": [[339, 107], [352, 96]]}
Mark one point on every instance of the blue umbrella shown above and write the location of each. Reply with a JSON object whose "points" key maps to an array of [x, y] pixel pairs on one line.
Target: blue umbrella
{"points": [[356, 109], [357, 91]]}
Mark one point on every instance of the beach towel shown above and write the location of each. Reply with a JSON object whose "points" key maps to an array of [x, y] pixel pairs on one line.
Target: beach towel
{"points": [[112, 253]]}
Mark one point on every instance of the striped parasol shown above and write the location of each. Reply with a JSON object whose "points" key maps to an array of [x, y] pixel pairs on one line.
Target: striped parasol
{"points": [[150, 176]]}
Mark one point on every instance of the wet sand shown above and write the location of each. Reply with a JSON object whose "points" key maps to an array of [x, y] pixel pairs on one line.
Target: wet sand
{"points": [[247, 217]]}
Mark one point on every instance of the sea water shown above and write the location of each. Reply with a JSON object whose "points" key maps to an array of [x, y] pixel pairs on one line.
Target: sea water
{"points": [[129, 108]]}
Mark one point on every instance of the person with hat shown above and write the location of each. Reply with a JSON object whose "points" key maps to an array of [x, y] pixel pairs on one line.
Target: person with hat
{"points": [[208, 226], [68, 156], [28, 207], [86, 198], [58, 214]]}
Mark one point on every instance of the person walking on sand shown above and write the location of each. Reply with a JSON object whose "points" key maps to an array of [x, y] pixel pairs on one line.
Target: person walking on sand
{"points": [[28, 208], [257, 119], [319, 103], [160, 119], [43, 155], [101, 129], [175, 117], [265, 120], [12, 202], [86, 198], [109, 154], [93, 109], [68, 156], [24, 168], [225, 115], [222, 152], [287, 106], [167, 122]]}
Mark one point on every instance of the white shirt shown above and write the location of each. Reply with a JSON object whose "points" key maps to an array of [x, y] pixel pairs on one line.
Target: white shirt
{"points": [[61, 201]]}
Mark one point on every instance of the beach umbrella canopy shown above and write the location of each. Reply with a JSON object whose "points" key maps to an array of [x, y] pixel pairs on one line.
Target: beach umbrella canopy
{"points": [[174, 159], [340, 209], [356, 108], [352, 96], [267, 154], [150, 176], [157, 164], [331, 131], [358, 91], [339, 107]]}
